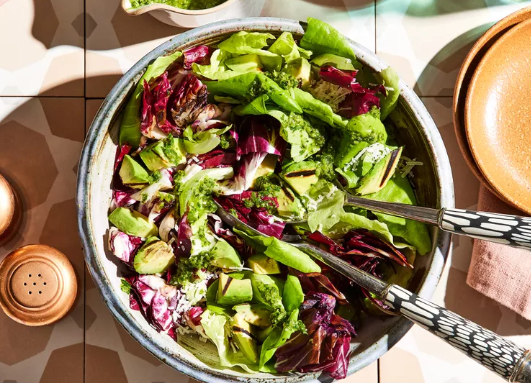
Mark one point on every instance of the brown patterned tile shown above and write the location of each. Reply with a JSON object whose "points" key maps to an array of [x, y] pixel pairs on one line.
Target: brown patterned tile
{"points": [[60, 82], [21, 342], [64, 365], [103, 72], [27, 162], [103, 366], [60, 231], [91, 108], [65, 117], [133, 347]]}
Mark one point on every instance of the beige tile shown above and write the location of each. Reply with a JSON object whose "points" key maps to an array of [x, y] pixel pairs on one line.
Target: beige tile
{"points": [[39, 153], [41, 49], [368, 374], [116, 42], [426, 41]]}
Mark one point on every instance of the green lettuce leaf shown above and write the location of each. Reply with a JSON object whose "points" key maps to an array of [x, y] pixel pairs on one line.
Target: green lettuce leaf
{"points": [[202, 142], [242, 43], [413, 232], [130, 126], [320, 37], [251, 85], [316, 108], [215, 326], [305, 139], [389, 78], [281, 252], [279, 336], [287, 51]]}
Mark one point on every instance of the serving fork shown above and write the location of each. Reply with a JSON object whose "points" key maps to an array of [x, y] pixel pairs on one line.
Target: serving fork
{"points": [[509, 230], [496, 353]]}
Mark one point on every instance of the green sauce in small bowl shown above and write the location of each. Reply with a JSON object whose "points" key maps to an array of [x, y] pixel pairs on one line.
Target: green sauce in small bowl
{"points": [[183, 4]]}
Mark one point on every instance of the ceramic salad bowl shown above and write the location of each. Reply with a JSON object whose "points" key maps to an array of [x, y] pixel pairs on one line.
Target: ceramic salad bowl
{"points": [[414, 128]]}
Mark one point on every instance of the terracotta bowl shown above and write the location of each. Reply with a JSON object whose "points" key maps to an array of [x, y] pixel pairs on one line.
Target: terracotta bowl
{"points": [[498, 116], [463, 82], [414, 128], [231, 9]]}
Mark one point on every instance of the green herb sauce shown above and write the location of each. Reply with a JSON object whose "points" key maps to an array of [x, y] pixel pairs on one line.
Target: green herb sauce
{"points": [[183, 4]]}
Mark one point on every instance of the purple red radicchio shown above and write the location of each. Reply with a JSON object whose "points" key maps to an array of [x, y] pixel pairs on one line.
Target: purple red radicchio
{"points": [[123, 246], [260, 135], [257, 217], [326, 345], [361, 100], [200, 55], [146, 296]]}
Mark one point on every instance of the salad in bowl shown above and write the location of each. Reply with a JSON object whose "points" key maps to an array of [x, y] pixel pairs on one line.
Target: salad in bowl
{"points": [[274, 130]]}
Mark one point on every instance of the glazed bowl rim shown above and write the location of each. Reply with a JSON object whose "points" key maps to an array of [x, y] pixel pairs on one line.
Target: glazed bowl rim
{"points": [[97, 133]]}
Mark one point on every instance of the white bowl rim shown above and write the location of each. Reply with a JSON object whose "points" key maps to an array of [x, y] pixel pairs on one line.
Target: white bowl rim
{"points": [[95, 137]]}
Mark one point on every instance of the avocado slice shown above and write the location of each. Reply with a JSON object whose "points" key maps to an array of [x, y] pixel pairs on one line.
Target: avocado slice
{"points": [[264, 287], [267, 167], [164, 154], [225, 256], [262, 264], [257, 315], [334, 60], [232, 291], [132, 173], [245, 63], [133, 223], [377, 177], [155, 256], [293, 295], [289, 205], [243, 334], [300, 176], [262, 334], [300, 69]]}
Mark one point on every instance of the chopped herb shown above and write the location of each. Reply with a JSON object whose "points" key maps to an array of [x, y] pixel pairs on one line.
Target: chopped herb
{"points": [[125, 286], [155, 177], [188, 267], [283, 79]]}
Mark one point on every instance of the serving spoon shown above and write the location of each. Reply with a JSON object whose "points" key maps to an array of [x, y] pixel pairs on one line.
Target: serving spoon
{"points": [[498, 354], [509, 230]]}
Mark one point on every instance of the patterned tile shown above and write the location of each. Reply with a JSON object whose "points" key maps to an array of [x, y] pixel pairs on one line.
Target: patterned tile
{"points": [[427, 40], [42, 52], [115, 44], [39, 153]]}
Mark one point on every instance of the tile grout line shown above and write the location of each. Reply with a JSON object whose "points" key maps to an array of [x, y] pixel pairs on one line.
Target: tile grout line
{"points": [[85, 135], [375, 27]]}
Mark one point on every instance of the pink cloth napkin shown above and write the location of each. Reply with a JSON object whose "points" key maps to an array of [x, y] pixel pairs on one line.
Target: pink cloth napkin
{"points": [[501, 272]]}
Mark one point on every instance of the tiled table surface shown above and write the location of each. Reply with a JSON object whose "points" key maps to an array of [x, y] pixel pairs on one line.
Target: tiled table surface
{"points": [[59, 58]]}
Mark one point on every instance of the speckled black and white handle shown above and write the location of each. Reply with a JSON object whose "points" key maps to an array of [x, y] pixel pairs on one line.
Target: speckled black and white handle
{"points": [[500, 355], [510, 230], [501, 228]]}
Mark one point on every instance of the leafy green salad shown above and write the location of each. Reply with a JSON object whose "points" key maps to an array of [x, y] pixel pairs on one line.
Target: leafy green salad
{"points": [[274, 130]]}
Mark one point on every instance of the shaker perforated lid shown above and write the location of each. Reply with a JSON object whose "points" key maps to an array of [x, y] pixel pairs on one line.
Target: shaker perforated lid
{"points": [[38, 285], [7, 205]]}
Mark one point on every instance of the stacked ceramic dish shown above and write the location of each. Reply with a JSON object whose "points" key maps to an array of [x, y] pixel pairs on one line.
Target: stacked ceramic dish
{"points": [[492, 112]]}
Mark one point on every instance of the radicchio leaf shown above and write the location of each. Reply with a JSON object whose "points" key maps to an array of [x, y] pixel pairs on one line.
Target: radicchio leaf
{"points": [[317, 282], [361, 100], [187, 102], [123, 246], [200, 55], [161, 96], [120, 154], [194, 314], [147, 297], [326, 345], [216, 225], [211, 117], [245, 172], [257, 217], [260, 135], [184, 243], [216, 159], [123, 198]]}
